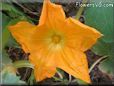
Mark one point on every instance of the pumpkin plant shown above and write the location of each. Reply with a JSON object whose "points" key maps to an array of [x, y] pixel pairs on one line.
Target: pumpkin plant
{"points": [[56, 42], [105, 24]]}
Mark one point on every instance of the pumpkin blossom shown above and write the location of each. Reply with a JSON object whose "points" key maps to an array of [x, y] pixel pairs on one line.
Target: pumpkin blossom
{"points": [[56, 42]]}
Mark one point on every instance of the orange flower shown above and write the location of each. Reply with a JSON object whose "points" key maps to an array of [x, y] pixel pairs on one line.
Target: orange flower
{"points": [[57, 42]]}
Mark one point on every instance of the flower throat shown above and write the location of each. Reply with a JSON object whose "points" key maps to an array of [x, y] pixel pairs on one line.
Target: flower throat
{"points": [[56, 39]]}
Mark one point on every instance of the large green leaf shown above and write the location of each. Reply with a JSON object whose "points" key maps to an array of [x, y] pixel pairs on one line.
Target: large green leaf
{"points": [[102, 48], [107, 65], [102, 18]]}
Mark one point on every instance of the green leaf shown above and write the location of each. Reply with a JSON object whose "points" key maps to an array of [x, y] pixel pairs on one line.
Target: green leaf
{"points": [[5, 20], [101, 48], [9, 76], [5, 59], [11, 9], [5, 36], [81, 82], [107, 66], [20, 18], [101, 18], [5, 32]]}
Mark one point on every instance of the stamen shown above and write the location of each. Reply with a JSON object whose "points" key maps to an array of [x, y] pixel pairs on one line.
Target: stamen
{"points": [[56, 39]]}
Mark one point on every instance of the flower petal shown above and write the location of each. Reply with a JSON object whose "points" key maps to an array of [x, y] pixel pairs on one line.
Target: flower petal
{"points": [[51, 13], [45, 66], [87, 35], [22, 32], [42, 72], [74, 63]]}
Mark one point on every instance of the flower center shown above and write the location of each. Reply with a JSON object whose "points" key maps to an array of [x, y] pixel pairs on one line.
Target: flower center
{"points": [[56, 39]]}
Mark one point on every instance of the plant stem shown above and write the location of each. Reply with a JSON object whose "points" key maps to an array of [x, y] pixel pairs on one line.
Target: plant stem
{"points": [[23, 63], [95, 63], [34, 13], [70, 78], [81, 9], [60, 75]]}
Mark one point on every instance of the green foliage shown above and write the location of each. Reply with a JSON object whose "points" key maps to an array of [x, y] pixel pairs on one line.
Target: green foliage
{"points": [[101, 18], [9, 76], [80, 82], [7, 39], [12, 11], [10, 16], [5, 32], [5, 59], [6, 36], [23, 63], [5, 19], [31, 79]]}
